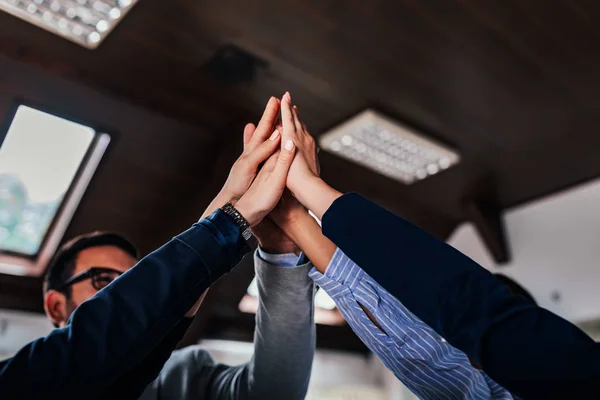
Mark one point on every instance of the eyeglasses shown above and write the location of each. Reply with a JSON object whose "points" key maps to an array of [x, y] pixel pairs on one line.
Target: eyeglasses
{"points": [[100, 276]]}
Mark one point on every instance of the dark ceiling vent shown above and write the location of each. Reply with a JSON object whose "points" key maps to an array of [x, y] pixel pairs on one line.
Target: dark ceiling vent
{"points": [[234, 65]]}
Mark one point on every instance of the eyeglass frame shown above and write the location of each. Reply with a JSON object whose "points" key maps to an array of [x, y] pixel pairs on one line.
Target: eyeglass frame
{"points": [[89, 273]]}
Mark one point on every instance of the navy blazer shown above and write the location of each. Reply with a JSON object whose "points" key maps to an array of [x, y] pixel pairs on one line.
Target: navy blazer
{"points": [[527, 349], [112, 333]]}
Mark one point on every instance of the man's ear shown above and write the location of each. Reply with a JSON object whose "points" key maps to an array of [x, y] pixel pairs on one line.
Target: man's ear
{"points": [[55, 305]]}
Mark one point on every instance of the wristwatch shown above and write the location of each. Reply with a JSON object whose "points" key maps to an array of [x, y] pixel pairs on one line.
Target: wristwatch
{"points": [[239, 220]]}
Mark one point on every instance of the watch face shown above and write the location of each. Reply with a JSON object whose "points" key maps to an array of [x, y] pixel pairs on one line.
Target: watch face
{"points": [[247, 234]]}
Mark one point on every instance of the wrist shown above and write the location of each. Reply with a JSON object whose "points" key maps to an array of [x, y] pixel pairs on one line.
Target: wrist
{"points": [[247, 212], [222, 198], [316, 195], [225, 196], [295, 224], [298, 186]]}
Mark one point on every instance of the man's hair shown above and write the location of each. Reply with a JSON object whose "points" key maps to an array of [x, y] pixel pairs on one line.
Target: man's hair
{"points": [[515, 288], [62, 265]]}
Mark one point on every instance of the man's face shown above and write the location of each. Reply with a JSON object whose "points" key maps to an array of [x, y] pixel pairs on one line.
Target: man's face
{"points": [[100, 256]]}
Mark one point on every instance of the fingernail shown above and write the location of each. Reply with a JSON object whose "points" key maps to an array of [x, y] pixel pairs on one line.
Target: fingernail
{"points": [[274, 134], [289, 145]]}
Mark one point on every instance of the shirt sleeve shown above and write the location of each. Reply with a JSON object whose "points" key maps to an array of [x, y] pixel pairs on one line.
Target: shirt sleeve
{"points": [[417, 355], [280, 260]]}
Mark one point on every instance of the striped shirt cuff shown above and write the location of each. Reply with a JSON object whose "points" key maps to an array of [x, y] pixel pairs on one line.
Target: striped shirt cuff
{"points": [[341, 276]]}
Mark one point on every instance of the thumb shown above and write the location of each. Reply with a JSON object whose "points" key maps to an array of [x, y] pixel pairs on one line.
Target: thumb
{"points": [[284, 161]]}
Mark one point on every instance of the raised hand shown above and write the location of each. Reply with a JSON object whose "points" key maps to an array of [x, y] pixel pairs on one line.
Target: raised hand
{"points": [[306, 163], [287, 212], [270, 237], [259, 143], [303, 180], [267, 188]]}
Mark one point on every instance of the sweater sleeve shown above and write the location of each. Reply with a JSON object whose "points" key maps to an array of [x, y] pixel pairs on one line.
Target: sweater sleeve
{"points": [[117, 328]]}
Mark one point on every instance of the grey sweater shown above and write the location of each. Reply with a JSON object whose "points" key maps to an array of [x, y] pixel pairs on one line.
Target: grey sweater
{"points": [[284, 344]]}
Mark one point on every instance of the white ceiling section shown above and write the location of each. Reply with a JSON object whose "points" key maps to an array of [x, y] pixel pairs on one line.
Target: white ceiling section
{"points": [[555, 246], [20, 328]]}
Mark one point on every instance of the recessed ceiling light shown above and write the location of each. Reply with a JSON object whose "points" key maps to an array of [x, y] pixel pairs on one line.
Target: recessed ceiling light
{"points": [[85, 22], [388, 147]]}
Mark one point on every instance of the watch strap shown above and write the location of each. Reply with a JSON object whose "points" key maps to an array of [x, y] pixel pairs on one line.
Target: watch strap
{"points": [[239, 220]]}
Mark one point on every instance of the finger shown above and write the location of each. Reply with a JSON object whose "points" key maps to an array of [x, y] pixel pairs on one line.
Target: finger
{"points": [[248, 132], [266, 123], [297, 122], [287, 117], [270, 164], [264, 150], [318, 163], [279, 175]]}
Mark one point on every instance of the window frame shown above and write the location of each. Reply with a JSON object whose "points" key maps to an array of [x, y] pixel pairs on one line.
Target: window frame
{"points": [[15, 263]]}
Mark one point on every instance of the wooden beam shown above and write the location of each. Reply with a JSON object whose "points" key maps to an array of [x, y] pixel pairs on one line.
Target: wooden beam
{"points": [[21, 293], [488, 222]]}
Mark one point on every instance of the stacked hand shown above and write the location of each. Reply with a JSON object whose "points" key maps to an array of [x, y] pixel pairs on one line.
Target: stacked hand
{"points": [[275, 156]]}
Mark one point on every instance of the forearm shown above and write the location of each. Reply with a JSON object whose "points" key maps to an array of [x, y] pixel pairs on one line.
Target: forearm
{"points": [[307, 234], [315, 194], [219, 201], [116, 329], [284, 340], [410, 349], [132, 383], [525, 348]]}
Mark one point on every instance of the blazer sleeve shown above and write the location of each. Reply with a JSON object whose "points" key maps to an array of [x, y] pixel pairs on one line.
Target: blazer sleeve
{"points": [[116, 329], [528, 350], [133, 383]]}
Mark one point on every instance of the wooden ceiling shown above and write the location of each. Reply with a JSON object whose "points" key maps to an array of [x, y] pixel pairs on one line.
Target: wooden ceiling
{"points": [[513, 85]]}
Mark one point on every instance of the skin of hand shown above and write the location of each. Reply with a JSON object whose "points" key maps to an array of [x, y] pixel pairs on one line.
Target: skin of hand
{"points": [[267, 188], [306, 164], [306, 185], [271, 239], [257, 148], [260, 142], [299, 225], [303, 180]]}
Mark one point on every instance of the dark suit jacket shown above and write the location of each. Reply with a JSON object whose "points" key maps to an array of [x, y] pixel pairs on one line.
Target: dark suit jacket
{"points": [[116, 330], [528, 350]]}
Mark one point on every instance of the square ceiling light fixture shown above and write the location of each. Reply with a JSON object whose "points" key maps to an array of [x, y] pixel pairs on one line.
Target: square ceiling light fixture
{"points": [[388, 147], [85, 22]]}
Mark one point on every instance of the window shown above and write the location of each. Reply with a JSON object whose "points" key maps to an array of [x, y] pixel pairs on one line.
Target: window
{"points": [[46, 163]]}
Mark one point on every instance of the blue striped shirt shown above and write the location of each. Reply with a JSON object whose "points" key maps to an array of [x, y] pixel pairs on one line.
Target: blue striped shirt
{"points": [[415, 353]]}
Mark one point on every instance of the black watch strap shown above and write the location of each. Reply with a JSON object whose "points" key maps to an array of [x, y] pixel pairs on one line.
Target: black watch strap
{"points": [[239, 220]]}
